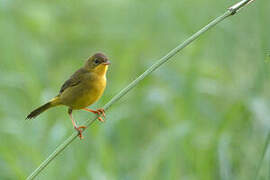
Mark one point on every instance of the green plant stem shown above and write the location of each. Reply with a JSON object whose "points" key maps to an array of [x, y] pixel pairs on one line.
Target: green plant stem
{"points": [[267, 141], [231, 11]]}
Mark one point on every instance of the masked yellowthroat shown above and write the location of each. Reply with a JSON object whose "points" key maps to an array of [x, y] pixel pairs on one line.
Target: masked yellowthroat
{"points": [[82, 89]]}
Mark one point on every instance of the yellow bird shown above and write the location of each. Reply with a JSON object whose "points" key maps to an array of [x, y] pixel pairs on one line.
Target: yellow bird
{"points": [[82, 89]]}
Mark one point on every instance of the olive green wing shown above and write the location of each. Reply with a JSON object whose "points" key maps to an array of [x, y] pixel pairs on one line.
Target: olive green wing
{"points": [[74, 80]]}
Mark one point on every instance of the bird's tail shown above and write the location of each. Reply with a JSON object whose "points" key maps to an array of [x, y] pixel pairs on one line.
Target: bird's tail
{"points": [[54, 102]]}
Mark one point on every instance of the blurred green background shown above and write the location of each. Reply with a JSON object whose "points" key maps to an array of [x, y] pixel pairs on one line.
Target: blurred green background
{"points": [[204, 115]]}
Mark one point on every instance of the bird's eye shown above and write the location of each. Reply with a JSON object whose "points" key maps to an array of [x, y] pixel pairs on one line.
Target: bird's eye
{"points": [[96, 61]]}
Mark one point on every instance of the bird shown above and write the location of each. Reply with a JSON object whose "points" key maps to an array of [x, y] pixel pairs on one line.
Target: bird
{"points": [[82, 89]]}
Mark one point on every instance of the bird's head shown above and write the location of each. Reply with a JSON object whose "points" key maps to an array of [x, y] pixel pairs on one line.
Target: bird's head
{"points": [[97, 63]]}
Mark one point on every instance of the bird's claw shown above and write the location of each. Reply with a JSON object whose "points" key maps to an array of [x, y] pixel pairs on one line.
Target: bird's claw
{"points": [[101, 112], [79, 129]]}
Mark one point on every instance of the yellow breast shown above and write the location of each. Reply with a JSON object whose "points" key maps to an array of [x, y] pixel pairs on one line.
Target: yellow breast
{"points": [[84, 94], [91, 94]]}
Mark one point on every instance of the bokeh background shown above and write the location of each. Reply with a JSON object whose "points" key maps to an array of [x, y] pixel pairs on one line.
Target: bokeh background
{"points": [[204, 115]]}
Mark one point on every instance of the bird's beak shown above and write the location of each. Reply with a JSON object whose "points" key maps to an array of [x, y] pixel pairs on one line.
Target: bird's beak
{"points": [[107, 62]]}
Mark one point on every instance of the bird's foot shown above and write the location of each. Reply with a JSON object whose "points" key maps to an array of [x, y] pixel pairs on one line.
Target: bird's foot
{"points": [[100, 111], [79, 129]]}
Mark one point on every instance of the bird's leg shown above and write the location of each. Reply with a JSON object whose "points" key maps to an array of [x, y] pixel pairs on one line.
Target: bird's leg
{"points": [[79, 129], [100, 111]]}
